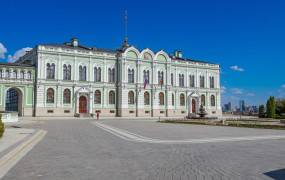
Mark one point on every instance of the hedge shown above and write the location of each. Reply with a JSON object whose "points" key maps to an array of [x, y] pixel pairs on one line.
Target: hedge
{"points": [[2, 127]]}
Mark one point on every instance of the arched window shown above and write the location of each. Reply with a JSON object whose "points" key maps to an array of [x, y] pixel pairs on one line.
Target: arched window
{"points": [[1, 76], [181, 80], [97, 74], [146, 76], [202, 81], [212, 82], [50, 95], [111, 75], [146, 98], [213, 100], [161, 98], [97, 99], [15, 74], [22, 75], [172, 79], [173, 100], [160, 77], [203, 100], [192, 80], [131, 97], [50, 71], [7, 73], [131, 75], [82, 73], [29, 75], [111, 97], [66, 96], [66, 72], [182, 100]]}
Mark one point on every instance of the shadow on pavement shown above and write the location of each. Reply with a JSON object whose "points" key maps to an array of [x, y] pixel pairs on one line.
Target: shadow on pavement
{"points": [[277, 174]]}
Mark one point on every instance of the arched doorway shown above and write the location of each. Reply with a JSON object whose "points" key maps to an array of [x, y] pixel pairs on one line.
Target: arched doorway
{"points": [[82, 104], [14, 101], [193, 106]]}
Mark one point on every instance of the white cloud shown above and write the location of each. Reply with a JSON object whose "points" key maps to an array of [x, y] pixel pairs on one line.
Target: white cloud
{"points": [[236, 68], [223, 89], [18, 54], [250, 94], [3, 50], [283, 86], [237, 91]]}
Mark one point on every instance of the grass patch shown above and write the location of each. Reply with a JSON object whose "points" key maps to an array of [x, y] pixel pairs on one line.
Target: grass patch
{"points": [[248, 124]]}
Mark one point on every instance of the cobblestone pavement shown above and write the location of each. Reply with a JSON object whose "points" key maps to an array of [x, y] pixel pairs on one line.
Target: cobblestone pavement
{"points": [[78, 150]]}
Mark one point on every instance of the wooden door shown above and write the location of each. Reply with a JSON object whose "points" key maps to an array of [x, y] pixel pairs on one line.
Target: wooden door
{"points": [[82, 104], [193, 106]]}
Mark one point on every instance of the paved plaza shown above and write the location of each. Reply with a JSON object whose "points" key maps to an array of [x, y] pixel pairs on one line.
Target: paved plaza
{"points": [[144, 149]]}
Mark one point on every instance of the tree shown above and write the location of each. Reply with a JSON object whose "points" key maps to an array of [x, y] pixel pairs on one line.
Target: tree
{"points": [[270, 107], [202, 112], [261, 111], [280, 106]]}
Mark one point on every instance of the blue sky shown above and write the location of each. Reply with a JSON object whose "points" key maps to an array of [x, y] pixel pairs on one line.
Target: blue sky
{"points": [[245, 37]]}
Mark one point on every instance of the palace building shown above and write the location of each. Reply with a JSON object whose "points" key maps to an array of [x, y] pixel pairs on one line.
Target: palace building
{"points": [[70, 79]]}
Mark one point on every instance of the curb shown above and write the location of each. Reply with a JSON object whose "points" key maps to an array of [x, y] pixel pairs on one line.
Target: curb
{"points": [[10, 159]]}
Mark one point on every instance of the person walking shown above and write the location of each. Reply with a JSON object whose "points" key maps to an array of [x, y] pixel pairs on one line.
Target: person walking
{"points": [[97, 115]]}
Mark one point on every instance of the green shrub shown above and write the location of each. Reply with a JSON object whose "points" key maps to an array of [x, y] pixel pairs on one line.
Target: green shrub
{"points": [[2, 127]]}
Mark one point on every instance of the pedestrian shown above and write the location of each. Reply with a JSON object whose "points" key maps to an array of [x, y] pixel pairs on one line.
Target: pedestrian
{"points": [[97, 115]]}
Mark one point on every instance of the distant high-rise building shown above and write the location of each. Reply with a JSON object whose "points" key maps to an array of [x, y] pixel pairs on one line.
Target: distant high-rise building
{"points": [[242, 106], [227, 107]]}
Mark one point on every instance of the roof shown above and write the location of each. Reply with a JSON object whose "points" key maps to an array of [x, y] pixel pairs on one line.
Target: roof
{"points": [[15, 64], [80, 47], [190, 59]]}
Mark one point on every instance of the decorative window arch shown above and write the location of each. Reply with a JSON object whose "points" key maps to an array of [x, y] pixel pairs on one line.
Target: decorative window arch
{"points": [[50, 70], [203, 100], [97, 99], [50, 95], [97, 74], [66, 96], [147, 56], [82, 73], [146, 98], [131, 97], [213, 100], [112, 97], [182, 100], [131, 75], [173, 100], [161, 98]]}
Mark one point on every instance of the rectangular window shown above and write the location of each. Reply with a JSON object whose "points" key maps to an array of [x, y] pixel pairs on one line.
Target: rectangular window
{"points": [[202, 82], [172, 79]]}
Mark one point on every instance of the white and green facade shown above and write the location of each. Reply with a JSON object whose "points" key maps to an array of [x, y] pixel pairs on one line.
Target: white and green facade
{"points": [[73, 80]]}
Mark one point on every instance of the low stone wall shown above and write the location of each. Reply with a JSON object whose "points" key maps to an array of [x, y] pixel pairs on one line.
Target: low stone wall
{"points": [[9, 117]]}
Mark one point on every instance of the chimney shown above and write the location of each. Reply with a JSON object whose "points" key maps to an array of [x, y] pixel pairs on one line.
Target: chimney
{"points": [[178, 54], [74, 42]]}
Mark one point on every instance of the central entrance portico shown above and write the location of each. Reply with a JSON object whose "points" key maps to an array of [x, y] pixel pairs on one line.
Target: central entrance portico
{"points": [[84, 101], [193, 104]]}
